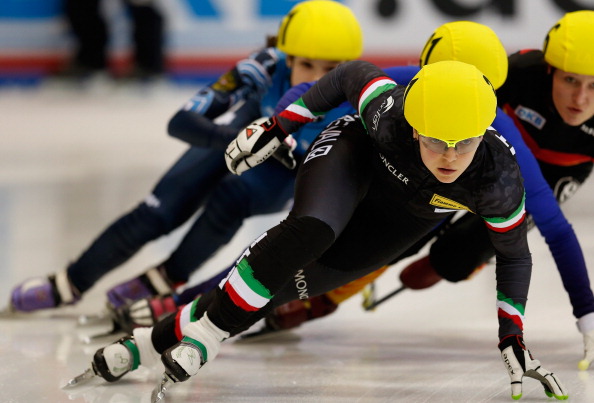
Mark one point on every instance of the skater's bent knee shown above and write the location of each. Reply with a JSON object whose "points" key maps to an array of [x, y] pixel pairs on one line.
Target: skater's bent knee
{"points": [[313, 232]]}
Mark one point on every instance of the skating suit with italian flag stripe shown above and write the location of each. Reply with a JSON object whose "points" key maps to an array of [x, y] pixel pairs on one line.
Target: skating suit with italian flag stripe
{"points": [[491, 187]]}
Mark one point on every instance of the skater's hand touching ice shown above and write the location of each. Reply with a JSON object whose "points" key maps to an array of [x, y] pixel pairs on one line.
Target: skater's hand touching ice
{"points": [[586, 326], [519, 363]]}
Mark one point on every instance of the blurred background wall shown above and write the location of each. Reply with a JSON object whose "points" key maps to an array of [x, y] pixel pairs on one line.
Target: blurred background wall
{"points": [[205, 37]]}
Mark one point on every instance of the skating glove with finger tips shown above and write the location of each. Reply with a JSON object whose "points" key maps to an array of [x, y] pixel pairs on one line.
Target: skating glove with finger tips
{"points": [[584, 364], [585, 325], [254, 145], [519, 363]]}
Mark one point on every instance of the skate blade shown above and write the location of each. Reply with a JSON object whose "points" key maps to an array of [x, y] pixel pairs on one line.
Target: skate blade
{"points": [[257, 334], [93, 319], [158, 394], [265, 334], [374, 304], [81, 379], [369, 296], [8, 312], [91, 338]]}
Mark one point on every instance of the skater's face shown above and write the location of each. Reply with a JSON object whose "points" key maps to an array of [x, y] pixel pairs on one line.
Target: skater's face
{"points": [[304, 70], [447, 163], [573, 96]]}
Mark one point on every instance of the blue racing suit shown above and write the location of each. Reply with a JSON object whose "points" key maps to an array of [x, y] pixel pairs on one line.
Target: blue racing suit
{"points": [[199, 178]]}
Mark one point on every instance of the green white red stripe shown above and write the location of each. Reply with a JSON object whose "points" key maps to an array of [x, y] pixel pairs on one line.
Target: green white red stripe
{"points": [[243, 289], [504, 224], [184, 316], [373, 89], [298, 112], [507, 308]]}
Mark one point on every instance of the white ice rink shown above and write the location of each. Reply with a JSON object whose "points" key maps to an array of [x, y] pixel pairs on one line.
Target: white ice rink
{"points": [[73, 161]]}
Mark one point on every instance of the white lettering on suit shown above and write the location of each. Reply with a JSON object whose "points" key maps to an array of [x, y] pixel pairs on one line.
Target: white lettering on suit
{"points": [[392, 169]]}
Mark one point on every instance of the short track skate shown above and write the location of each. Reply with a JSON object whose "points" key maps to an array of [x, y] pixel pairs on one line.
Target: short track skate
{"points": [[82, 379]]}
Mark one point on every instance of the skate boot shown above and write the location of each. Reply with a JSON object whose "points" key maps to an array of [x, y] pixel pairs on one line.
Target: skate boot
{"points": [[152, 283], [119, 358], [419, 275], [43, 293], [201, 343], [144, 313], [116, 360]]}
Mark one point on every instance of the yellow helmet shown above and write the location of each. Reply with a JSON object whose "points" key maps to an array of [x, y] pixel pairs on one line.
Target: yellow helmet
{"points": [[471, 43], [321, 29], [569, 45], [450, 101]]}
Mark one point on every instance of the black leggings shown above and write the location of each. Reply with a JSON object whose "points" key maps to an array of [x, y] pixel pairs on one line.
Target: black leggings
{"points": [[342, 227], [462, 248]]}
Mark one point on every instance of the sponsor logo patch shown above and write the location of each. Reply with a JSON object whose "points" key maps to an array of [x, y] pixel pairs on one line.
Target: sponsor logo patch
{"points": [[226, 83], [530, 116], [446, 204]]}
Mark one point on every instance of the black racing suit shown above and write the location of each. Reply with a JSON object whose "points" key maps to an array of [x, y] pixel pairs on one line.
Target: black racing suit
{"points": [[363, 196], [564, 154]]}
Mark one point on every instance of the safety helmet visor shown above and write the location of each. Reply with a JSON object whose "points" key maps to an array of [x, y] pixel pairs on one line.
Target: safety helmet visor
{"points": [[441, 147]]}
